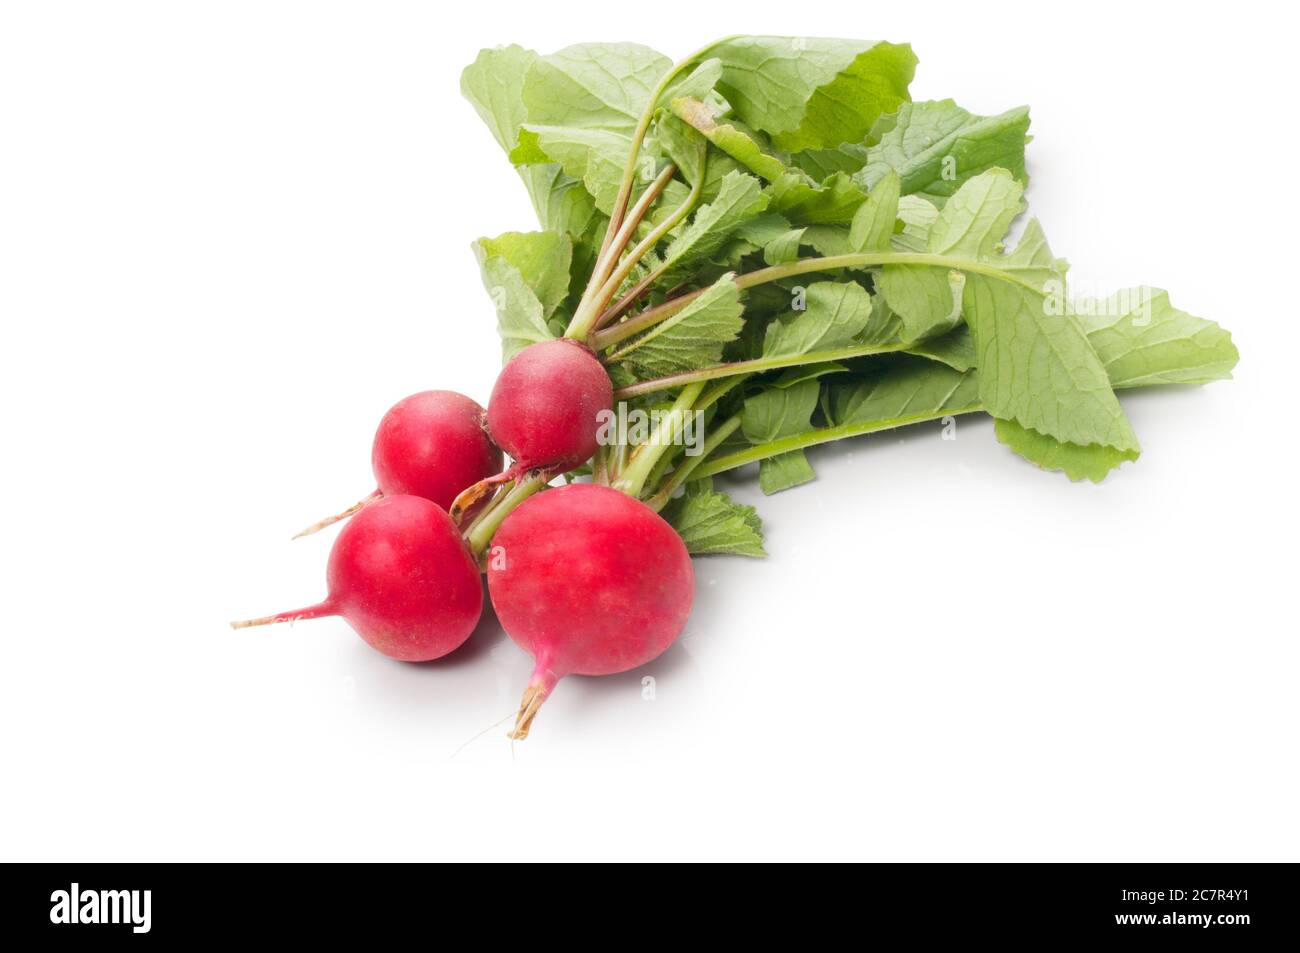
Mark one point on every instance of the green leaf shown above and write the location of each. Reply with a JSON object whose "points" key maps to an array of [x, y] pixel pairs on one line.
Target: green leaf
{"points": [[1090, 462], [736, 142], [542, 260], [740, 199], [692, 338], [822, 163], [778, 411], [795, 194], [709, 523], [912, 391], [783, 408], [527, 276], [1170, 347], [681, 143], [784, 471], [1139, 336], [1037, 367], [494, 85], [975, 220], [971, 226], [956, 349], [904, 391], [763, 230], [828, 240], [806, 202], [809, 372], [593, 85], [836, 315], [594, 156], [561, 202], [581, 107], [937, 146], [918, 217], [927, 300], [813, 93], [698, 83], [1039, 370], [873, 223], [1142, 339], [784, 248], [521, 319], [1032, 262]]}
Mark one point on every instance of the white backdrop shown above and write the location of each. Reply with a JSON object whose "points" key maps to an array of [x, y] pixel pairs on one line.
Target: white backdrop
{"points": [[232, 234]]}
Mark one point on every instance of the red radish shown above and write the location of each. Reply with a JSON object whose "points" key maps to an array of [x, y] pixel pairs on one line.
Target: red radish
{"points": [[432, 444], [545, 407], [591, 582], [400, 575]]}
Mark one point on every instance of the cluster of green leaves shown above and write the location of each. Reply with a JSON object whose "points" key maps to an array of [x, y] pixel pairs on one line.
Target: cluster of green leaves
{"points": [[844, 266]]}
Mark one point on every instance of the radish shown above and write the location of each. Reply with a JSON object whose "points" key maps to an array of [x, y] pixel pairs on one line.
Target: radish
{"points": [[591, 582], [546, 405], [401, 576], [432, 444]]}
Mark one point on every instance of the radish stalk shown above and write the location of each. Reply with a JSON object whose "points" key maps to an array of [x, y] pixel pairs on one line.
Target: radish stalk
{"points": [[754, 366], [652, 316], [642, 462], [686, 469]]}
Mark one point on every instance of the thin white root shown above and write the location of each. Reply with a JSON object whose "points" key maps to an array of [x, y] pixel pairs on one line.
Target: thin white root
{"points": [[331, 520]]}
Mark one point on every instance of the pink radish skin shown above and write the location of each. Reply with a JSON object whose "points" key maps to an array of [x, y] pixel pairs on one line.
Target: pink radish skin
{"points": [[545, 407], [432, 444], [401, 576], [591, 582]]}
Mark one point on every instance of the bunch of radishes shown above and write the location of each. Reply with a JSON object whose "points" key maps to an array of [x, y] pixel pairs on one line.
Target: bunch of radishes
{"points": [[586, 578], [768, 161]]}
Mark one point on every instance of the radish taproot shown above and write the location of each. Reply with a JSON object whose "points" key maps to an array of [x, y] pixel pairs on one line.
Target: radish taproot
{"points": [[432, 444], [546, 406], [400, 575], [589, 581]]}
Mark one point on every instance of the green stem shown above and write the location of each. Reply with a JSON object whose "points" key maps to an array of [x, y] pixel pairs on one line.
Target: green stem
{"points": [[662, 466], [638, 136], [638, 213], [628, 299], [718, 391], [642, 462], [652, 316], [755, 366], [611, 286], [600, 466], [479, 536], [821, 435], [690, 464], [591, 311], [586, 314], [591, 303]]}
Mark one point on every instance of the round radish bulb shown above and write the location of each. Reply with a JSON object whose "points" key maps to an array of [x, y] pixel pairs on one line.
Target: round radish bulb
{"points": [[432, 444], [400, 574], [545, 408], [591, 582]]}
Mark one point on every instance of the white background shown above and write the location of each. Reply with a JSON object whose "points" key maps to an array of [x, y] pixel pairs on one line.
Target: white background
{"points": [[231, 235]]}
